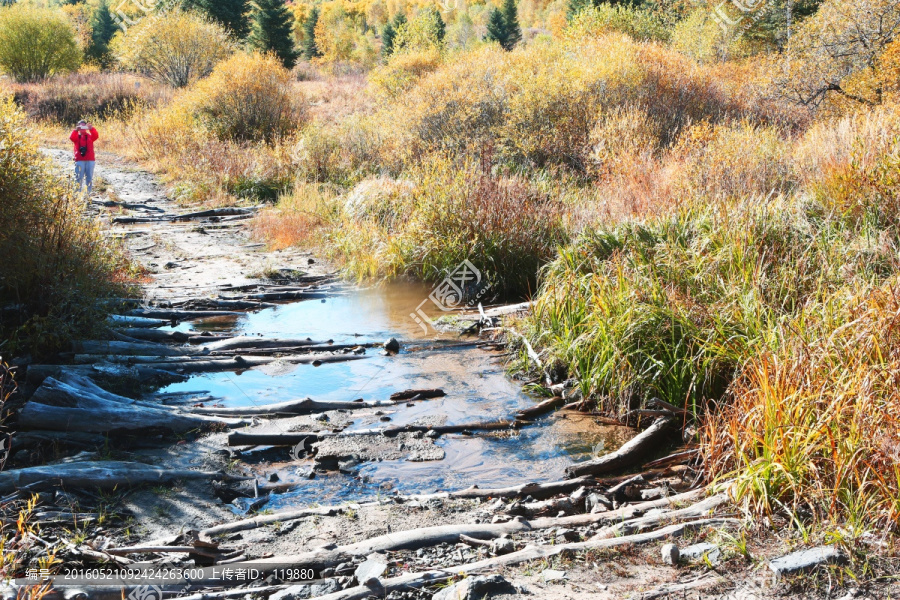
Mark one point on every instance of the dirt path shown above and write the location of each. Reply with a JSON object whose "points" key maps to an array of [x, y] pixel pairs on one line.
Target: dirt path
{"points": [[183, 259]]}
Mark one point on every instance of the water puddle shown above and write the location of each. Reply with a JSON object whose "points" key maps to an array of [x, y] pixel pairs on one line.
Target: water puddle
{"points": [[476, 385]]}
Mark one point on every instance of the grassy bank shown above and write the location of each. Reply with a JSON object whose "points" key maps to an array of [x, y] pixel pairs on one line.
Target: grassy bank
{"points": [[57, 264]]}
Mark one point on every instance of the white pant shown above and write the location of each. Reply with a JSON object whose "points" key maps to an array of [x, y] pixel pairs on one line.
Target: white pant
{"points": [[84, 172]]}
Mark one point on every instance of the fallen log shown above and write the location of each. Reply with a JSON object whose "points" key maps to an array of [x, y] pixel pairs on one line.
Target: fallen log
{"points": [[146, 374], [529, 553], [275, 517], [631, 526], [127, 348], [541, 408], [137, 322], [181, 315], [243, 342], [307, 406], [203, 364], [77, 404], [105, 474], [421, 394], [276, 296], [179, 337], [629, 454], [535, 490], [226, 211], [238, 438]]}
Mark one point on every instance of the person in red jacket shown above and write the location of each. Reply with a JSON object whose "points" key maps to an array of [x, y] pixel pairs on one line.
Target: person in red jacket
{"points": [[84, 137]]}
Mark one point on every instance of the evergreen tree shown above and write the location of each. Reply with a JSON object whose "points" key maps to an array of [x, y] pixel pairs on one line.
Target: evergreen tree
{"points": [[387, 39], [103, 28], [511, 20], [310, 49], [440, 28], [573, 7], [496, 27], [399, 21], [231, 14], [270, 30]]}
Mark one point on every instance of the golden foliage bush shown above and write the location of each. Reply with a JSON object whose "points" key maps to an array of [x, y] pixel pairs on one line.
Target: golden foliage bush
{"points": [[246, 98], [177, 47], [403, 70], [36, 42]]}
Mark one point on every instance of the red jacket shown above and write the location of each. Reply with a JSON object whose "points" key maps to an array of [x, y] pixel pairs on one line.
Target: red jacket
{"points": [[84, 138]]}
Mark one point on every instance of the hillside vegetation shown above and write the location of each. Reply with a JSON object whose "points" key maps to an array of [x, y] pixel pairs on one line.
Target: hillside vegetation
{"points": [[705, 211]]}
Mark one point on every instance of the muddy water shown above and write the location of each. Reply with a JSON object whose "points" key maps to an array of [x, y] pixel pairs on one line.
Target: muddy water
{"points": [[475, 381]]}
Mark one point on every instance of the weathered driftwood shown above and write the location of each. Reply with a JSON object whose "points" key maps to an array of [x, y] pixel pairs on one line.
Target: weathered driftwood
{"points": [[535, 490], [420, 394], [225, 211], [244, 342], [202, 364], [281, 296], [629, 454], [527, 554], [137, 322], [276, 517], [104, 474], [541, 408], [292, 439], [148, 374], [180, 315], [171, 337], [631, 526], [77, 404], [128, 348], [307, 406]]}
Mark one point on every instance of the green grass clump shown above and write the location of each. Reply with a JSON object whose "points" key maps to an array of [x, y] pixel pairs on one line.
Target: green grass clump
{"points": [[674, 306]]}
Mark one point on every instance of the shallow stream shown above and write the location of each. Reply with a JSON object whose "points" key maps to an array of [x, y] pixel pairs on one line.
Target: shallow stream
{"points": [[477, 387]]}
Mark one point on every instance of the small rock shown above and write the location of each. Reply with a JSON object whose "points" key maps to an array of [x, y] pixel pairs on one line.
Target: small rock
{"points": [[596, 503], [369, 571], [553, 575], [476, 588], [502, 546], [670, 554], [805, 560], [696, 552], [432, 434], [566, 535], [273, 477], [392, 345]]}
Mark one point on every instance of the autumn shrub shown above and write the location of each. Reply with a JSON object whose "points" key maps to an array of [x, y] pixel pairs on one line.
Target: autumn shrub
{"points": [[605, 18], [177, 47], [57, 263], [442, 213], [69, 98], [403, 70], [36, 42], [732, 161], [245, 98], [539, 104], [812, 426]]}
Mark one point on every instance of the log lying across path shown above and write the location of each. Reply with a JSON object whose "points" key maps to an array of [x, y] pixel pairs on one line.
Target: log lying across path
{"points": [[77, 404], [628, 454], [203, 364], [239, 438], [180, 315], [145, 373], [128, 348], [106, 474], [307, 406]]}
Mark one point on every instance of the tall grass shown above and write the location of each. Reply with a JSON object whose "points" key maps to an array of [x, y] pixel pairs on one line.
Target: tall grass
{"points": [[66, 99], [56, 262]]}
